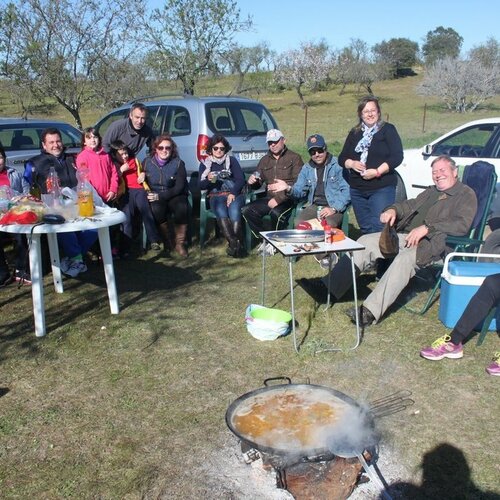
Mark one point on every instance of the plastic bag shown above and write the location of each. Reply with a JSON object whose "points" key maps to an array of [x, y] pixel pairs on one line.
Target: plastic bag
{"points": [[264, 323]]}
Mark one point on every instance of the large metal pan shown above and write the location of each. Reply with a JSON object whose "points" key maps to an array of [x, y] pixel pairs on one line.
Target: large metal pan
{"points": [[306, 421], [297, 236]]}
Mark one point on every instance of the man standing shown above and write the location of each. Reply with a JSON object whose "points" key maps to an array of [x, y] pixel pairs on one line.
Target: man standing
{"points": [[74, 245], [445, 209], [279, 163], [132, 131]]}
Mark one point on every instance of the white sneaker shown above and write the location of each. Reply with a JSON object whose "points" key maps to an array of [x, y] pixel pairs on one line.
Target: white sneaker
{"points": [[76, 267], [269, 249], [260, 248], [324, 262], [64, 264]]}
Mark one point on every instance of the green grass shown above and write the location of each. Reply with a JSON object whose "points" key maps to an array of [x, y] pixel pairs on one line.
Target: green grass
{"points": [[132, 405]]}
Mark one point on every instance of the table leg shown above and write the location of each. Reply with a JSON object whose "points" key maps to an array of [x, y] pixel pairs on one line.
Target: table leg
{"points": [[109, 270], [263, 287], [55, 262], [35, 256], [292, 301]]}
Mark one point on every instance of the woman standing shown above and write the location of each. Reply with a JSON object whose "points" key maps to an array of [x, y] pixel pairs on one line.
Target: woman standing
{"points": [[165, 174], [222, 176], [370, 155]]}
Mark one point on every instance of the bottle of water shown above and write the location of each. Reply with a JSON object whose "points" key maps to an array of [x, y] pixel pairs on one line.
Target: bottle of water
{"points": [[53, 186]]}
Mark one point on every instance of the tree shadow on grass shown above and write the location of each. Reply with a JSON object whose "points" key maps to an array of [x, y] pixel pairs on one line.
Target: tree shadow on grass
{"points": [[445, 474]]}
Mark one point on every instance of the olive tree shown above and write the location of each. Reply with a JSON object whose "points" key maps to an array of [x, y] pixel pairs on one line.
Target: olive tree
{"points": [[440, 43], [306, 67], [461, 84], [56, 49], [186, 36], [397, 54]]}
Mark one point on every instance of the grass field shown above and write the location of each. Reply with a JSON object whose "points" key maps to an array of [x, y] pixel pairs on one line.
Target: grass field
{"points": [[132, 406]]}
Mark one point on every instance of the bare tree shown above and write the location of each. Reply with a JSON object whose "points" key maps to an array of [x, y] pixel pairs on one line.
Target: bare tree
{"points": [[243, 59], [462, 84], [52, 48], [187, 35], [487, 54], [305, 67]]}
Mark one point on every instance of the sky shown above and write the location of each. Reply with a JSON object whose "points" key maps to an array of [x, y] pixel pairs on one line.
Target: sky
{"points": [[284, 24]]}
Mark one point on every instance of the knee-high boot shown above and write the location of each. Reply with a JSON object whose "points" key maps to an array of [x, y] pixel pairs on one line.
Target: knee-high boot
{"points": [[238, 232], [180, 239], [227, 230], [166, 236]]}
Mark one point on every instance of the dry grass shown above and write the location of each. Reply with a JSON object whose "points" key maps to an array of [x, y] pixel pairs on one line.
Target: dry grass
{"points": [[132, 406]]}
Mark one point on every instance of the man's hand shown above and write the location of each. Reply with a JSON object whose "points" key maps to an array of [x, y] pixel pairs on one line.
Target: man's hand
{"points": [[272, 203], [326, 212], [277, 185], [415, 235], [388, 216]]}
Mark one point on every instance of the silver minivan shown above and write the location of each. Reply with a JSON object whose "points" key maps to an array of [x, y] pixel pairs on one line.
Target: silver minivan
{"points": [[193, 120]]}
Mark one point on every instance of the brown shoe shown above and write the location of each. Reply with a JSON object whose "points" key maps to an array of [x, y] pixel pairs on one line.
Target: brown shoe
{"points": [[180, 239]]}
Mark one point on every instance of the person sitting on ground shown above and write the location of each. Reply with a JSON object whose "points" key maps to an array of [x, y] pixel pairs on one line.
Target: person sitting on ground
{"points": [[279, 163], [481, 303], [76, 244], [221, 175], [165, 174], [12, 180], [133, 200], [321, 183], [445, 209]]}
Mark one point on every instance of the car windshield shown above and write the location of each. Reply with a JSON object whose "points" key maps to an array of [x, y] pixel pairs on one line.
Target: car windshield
{"points": [[26, 136], [245, 119]]}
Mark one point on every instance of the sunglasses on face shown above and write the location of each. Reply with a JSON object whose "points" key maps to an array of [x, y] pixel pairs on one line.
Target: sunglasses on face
{"points": [[316, 151], [164, 148], [218, 148]]}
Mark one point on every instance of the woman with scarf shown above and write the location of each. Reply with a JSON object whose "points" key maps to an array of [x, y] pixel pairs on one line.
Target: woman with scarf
{"points": [[370, 155], [221, 175], [165, 174]]}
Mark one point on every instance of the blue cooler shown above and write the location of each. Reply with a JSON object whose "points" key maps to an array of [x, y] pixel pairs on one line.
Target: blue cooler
{"points": [[460, 282]]}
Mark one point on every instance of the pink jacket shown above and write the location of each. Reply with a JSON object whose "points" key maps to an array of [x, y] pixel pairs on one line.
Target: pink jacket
{"points": [[102, 171]]}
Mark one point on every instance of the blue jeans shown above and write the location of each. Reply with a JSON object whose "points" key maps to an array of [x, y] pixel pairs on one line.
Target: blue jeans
{"points": [[219, 207], [368, 205], [77, 243]]}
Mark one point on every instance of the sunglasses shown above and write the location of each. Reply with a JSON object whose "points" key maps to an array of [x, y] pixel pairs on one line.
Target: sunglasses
{"points": [[218, 148], [272, 143], [316, 151], [164, 148]]}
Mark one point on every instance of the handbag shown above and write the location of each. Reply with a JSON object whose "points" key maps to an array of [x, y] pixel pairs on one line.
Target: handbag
{"points": [[389, 241]]}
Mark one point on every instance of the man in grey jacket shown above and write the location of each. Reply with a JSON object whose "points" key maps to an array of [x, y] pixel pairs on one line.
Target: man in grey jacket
{"points": [[423, 223]]}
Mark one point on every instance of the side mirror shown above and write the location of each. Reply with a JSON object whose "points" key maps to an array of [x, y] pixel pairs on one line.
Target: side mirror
{"points": [[427, 150]]}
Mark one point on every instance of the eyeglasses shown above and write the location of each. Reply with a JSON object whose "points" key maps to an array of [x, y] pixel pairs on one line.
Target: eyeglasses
{"points": [[218, 148], [164, 148], [316, 151], [273, 143]]}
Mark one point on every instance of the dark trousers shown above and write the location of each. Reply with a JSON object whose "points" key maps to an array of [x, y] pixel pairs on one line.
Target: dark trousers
{"points": [[487, 296], [21, 253], [178, 206], [134, 202], [254, 213]]}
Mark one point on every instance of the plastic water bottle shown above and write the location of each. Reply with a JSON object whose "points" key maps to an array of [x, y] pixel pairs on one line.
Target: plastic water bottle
{"points": [[53, 186]]}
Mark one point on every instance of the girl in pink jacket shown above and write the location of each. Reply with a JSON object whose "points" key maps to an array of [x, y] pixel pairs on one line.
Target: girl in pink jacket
{"points": [[102, 171]]}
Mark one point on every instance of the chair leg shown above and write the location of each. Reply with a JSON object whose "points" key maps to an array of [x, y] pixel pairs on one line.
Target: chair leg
{"points": [[486, 325]]}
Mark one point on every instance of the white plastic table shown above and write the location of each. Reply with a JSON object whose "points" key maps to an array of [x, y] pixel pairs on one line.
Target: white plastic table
{"points": [[289, 251], [101, 222]]}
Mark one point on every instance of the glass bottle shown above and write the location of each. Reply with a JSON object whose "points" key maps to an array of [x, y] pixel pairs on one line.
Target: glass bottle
{"points": [[54, 186], [35, 189], [84, 192]]}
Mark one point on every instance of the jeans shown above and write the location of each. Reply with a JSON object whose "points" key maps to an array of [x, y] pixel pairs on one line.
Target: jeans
{"points": [[219, 207], [77, 243], [368, 205]]}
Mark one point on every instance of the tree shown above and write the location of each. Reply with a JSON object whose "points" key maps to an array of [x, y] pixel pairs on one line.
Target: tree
{"points": [[441, 43], [487, 54], [305, 67], [462, 84], [187, 35], [53, 48], [242, 59], [397, 54]]}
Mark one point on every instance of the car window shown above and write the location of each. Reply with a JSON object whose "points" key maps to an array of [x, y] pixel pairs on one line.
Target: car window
{"points": [[25, 137], [474, 142], [155, 118], [178, 121], [238, 118], [103, 125]]}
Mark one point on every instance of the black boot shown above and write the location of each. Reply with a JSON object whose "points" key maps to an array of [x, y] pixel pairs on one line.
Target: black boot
{"points": [[227, 230], [238, 232]]}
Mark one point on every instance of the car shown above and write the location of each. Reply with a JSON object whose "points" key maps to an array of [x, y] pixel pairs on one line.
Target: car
{"points": [[472, 141], [21, 138], [191, 121]]}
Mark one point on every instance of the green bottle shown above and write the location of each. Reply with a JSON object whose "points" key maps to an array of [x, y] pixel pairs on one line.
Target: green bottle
{"points": [[35, 189]]}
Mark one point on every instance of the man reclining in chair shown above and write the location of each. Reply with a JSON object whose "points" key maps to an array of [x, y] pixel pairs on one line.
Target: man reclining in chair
{"points": [[445, 209]]}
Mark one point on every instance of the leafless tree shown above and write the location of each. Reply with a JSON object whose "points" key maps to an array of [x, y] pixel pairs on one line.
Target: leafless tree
{"points": [[187, 35], [53, 48], [305, 67], [462, 84]]}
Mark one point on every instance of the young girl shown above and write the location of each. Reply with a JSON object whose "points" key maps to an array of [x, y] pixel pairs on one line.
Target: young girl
{"points": [[134, 199], [102, 172]]}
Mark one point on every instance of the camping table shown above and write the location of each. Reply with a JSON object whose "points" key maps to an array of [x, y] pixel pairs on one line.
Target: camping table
{"points": [[101, 222], [288, 250]]}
